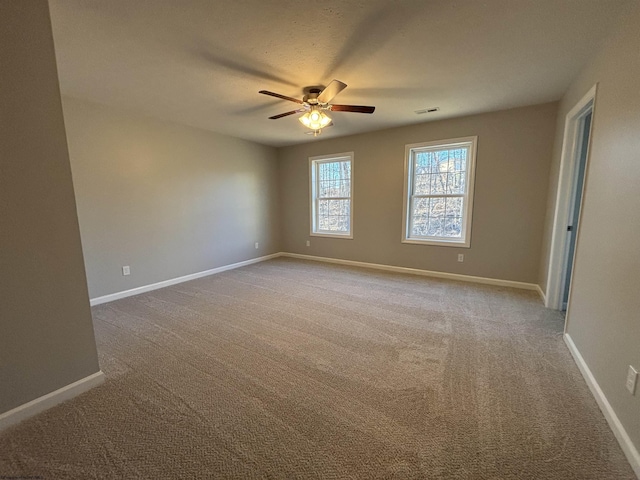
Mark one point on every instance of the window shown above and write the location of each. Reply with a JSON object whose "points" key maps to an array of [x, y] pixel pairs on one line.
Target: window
{"points": [[331, 192], [439, 192]]}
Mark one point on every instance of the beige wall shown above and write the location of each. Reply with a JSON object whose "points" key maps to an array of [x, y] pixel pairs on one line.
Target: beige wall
{"points": [[166, 199], [46, 334], [512, 172], [604, 309]]}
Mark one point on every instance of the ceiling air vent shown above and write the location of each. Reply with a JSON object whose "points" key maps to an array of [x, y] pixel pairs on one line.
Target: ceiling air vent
{"points": [[427, 110]]}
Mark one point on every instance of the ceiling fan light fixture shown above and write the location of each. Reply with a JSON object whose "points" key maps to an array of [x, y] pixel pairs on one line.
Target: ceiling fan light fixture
{"points": [[315, 102], [315, 119]]}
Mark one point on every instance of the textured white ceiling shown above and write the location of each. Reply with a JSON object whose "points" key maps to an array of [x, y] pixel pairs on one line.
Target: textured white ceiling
{"points": [[202, 62]]}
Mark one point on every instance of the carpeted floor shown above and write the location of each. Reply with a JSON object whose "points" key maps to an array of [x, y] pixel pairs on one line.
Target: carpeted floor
{"points": [[291, 369]]}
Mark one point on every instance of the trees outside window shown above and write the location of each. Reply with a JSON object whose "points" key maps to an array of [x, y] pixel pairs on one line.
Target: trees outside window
{"points": [[439, 179], [331, 195]]}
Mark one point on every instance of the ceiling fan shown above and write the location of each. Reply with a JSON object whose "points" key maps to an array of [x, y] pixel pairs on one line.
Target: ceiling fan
{"points": [[315, 103]]}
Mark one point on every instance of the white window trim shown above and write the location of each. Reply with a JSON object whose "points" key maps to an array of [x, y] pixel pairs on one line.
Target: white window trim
{"points": [[465, 241], [312, 193]]}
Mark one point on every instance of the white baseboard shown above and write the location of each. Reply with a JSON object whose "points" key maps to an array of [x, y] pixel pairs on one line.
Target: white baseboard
{"points": [[391, 268], [49, 400], [173, 281], [416, 271], [625, 442], [542, 295]]}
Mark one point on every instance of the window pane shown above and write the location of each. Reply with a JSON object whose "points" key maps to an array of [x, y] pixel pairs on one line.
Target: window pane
{"points": [[443, 160], [439, 172], [345, 188], [438, 183], [437, 207], [460, 159], [343, 224], [323, 188], [453, 220], [428, 216], [323, 222], [421, 184], [334, 215], [419, 216], [339, 207], [452, 227], [323, 207], [454, 207], [334, 179], [435, 227], [437, 217], [419, 226], [422, 163], [455, 183]]}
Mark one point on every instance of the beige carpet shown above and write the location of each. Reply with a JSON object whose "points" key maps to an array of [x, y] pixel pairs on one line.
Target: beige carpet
{"points": [[291, 369]]}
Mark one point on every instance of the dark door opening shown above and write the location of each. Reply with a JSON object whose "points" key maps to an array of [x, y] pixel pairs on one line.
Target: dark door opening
{"points": [[574, 217]]}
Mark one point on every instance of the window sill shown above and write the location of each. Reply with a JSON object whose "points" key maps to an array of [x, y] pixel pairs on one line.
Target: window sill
{"points": [[332, 235], [438, 243]]}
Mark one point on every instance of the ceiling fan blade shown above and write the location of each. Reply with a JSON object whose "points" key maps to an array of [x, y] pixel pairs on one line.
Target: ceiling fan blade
{"points": [[331, 90], [275, 117], [283, 97], [352, 108]]}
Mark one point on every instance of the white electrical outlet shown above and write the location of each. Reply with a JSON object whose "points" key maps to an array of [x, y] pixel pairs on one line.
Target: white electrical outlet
{"points": [[632, 379], [257, 244], [126, 270], [461, 257], [308, 243]]}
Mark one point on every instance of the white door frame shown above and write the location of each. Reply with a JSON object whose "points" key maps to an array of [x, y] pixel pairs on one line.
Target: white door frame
{"points": [[564, 200]]}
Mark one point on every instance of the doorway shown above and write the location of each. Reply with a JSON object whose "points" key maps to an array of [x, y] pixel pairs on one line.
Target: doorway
{"points": [[576, 201], [573, 168]]}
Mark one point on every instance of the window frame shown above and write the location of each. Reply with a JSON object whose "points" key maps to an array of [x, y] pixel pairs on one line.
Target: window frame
{"points": [[313, 200], [467, 210]]}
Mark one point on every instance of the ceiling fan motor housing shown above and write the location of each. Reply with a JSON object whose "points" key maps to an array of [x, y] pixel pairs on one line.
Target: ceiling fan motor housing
{"points": [[312, 97]]}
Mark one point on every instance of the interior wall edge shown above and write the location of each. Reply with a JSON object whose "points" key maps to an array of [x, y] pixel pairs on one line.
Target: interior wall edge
{"points": [[629, 449]]}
